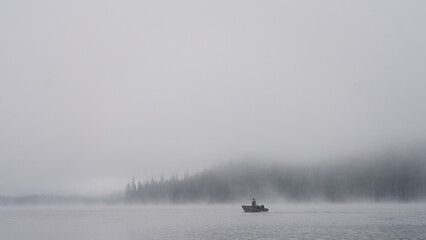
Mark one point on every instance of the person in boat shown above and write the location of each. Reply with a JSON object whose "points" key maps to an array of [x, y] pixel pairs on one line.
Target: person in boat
{"points": [[253, 204]]}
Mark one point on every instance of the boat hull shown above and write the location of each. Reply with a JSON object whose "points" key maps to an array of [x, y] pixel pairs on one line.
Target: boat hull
{"points": [[254, 209]]}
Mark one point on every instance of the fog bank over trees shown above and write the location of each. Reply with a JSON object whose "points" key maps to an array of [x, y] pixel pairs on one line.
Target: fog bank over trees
{"points": [[388, 178]]}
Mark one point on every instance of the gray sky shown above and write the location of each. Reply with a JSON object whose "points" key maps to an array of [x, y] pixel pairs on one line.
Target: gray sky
{"points": [[95, 92]]}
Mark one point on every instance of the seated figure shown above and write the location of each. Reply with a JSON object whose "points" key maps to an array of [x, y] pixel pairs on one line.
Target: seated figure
{"points": [[253, 204]]}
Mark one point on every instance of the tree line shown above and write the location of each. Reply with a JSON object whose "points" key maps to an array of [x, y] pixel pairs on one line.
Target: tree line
{"points": [[384, 179]]}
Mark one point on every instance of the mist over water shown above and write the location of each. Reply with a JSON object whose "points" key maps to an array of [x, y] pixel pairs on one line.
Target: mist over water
{"points": [[138, 119]]}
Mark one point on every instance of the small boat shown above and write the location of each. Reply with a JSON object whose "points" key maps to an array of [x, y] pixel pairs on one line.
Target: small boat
{"points": [[260, 208]]}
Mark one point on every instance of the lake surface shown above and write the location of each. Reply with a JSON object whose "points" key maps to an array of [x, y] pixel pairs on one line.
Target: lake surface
{"points": [[296, 221]]}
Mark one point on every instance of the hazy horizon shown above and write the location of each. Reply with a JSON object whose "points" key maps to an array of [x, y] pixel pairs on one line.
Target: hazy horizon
{"points": [[95, 92]]}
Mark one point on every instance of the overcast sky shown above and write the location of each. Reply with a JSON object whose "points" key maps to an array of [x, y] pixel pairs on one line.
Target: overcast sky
{"points": [[95, 92]]}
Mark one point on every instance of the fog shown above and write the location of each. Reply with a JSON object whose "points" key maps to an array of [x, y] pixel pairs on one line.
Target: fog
{"points": [[95, 92], [389, 179]]}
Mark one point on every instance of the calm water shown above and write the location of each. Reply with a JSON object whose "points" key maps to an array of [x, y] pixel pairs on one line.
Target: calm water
{"points": [[340, 221]]}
